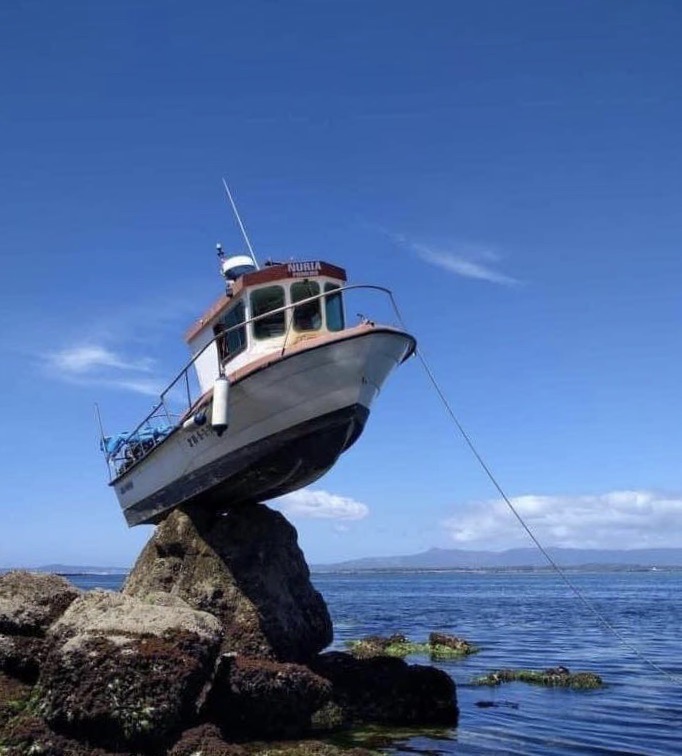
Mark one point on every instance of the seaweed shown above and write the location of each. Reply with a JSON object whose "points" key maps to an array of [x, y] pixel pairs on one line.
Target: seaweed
{"points": [[559, 677], [439, 647]]}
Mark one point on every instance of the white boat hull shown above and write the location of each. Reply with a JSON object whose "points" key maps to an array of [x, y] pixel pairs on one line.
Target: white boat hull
{"points": [[289, 422]]}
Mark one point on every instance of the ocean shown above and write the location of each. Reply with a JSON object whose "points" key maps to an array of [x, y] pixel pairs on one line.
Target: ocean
{"points": [[527, 620]]}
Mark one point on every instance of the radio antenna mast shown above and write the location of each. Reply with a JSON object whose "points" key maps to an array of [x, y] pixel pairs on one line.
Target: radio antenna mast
{"points": [[241, 225]]}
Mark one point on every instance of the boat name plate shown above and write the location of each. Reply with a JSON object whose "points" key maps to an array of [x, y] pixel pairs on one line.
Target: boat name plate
{"points": [[302, 269]]}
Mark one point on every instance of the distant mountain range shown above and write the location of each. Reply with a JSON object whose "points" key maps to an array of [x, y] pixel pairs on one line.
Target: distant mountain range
{"points": [[450, 559], [458, 559]]}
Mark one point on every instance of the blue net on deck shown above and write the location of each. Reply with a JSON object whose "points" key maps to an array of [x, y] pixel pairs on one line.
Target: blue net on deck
{"points": [[144, 437]]}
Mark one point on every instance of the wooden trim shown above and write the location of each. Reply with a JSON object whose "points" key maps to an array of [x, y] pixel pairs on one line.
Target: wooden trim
{"points": [[279, 355], [213, 311], [306, 345]]}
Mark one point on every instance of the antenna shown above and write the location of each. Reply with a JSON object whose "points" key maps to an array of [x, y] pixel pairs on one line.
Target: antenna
{"points": [[241, 225], [98, 417]]}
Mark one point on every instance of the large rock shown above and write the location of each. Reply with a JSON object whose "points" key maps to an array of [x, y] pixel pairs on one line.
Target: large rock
{"points": [[123, 672], [244, 567], [262, 699], [385, 690], [29, 603]]}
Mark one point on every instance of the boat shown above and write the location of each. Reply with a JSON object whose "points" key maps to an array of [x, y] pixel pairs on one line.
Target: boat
{"points": [[278, 386]]}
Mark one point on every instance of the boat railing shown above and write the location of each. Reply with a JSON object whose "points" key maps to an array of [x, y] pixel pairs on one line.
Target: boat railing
{"points": [[182, 398]]}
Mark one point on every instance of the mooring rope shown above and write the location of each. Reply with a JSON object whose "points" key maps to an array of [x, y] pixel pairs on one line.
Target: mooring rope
{"points": [[562, 574]]}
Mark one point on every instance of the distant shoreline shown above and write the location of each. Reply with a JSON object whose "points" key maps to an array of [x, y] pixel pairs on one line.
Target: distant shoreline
{"points": [[378, 569]]}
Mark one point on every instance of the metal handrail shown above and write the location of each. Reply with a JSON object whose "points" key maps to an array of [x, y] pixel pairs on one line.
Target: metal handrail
{"points": [[184, 373]]}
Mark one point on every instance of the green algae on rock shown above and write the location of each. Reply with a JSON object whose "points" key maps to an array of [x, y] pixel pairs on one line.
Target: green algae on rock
{"points": [[438, 647], [559, 677]]}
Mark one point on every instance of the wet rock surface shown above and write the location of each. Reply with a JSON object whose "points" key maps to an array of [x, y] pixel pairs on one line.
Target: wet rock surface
{"points": [[554, 677], [207, 740], [438, 646], [259, 698], [29, 604], [388, 691], [212, 648], [123, 672], [21, 656], [245, 568]]}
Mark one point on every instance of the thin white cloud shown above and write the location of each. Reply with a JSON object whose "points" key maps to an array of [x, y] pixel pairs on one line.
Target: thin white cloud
{"points": [[89, 364], [86, 358], [322, 505], [144, 386], [465, 260], [92, 353], [463, 266], [616, 519]]}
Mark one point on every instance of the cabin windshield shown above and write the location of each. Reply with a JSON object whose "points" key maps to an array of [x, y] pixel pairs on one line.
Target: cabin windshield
{"points": [[234, 341], [308, 316], [326, 312], [265, 300], [333, 305]]}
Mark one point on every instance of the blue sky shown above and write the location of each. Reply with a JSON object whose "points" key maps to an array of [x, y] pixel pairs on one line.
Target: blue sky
{"points": [[511, 170]]}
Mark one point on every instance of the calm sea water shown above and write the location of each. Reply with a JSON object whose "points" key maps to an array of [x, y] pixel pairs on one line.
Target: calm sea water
{"points": [[529, 620]]}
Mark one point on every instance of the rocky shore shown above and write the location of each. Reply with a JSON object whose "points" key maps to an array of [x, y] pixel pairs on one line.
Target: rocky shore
{"points": [[214, 646]]}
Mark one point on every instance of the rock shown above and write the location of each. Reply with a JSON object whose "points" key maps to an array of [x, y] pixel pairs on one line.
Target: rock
{"points": [[29, 603], [245, 568], [13, 697], [553, 678], [307, 748], [448, 646], [256, 698], [21, 656], [103, 613], [211, 633], [379, 645], [126, 673], [28, 735], [496, 704], [386, 690], [439, 647], [205, 740]]}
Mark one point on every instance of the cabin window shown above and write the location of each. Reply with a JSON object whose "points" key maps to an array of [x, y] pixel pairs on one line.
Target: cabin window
{"points": [[333, 306], [308, 316], [264, 300], [234, 341]]}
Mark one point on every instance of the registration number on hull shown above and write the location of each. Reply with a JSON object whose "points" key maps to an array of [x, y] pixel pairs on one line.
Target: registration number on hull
{"points": [[199, 435]]}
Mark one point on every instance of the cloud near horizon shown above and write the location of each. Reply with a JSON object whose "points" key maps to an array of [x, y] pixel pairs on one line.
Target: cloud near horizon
{"points": [[318, 504], [465, 260], [617, 519], [90, 363]]}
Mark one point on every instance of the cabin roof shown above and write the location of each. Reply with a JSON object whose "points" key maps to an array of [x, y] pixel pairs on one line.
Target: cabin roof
{"points": [[270, 274]]}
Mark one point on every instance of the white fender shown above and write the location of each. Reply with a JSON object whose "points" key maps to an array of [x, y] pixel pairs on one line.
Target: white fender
{"points": [[220, 414]]}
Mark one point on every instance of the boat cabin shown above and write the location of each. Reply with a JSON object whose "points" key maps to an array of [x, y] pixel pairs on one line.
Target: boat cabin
{"points": [[253, 293]]}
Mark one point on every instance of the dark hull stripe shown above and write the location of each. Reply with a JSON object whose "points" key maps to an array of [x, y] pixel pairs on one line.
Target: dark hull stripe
{"points": [[263, 470]]}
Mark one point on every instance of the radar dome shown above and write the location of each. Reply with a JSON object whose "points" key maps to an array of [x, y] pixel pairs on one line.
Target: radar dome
{"points": [[236, 266]]}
